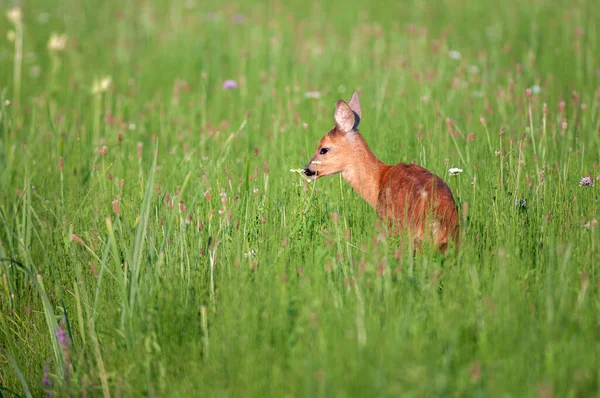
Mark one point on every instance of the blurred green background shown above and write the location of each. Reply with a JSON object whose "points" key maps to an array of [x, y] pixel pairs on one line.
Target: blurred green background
{"points": [[153, 241]]}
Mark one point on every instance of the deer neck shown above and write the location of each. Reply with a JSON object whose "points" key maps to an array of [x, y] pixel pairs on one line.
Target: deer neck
{"points": [[364, 171]]}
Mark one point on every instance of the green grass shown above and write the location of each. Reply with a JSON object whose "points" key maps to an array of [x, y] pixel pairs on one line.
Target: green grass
{"points": [[165, 298]]}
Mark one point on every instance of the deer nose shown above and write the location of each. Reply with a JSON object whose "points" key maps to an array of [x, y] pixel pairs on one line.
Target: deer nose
{"points": [[309, 172]]}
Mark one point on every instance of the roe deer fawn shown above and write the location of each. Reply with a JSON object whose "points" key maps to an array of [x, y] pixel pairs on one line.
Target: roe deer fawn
{"points": [[405, 196]]}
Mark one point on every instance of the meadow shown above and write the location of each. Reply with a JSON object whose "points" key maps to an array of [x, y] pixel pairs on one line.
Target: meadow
{"points": [[153, 241]]}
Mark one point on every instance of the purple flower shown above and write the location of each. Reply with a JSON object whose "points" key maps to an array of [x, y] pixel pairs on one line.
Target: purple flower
{"points": [[238, 19], [585, 182], [62, 337], [46, 381], [64, 342], [230, 85], [523, 203]]}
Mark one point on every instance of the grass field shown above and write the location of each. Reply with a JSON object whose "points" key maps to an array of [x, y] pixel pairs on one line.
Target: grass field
{"points": [[153, 241]]}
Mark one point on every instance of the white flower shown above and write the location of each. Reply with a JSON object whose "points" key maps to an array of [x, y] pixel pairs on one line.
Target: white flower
{"points": [[454, 171], [14, 15], [101, 85], [312, 94], [536, 89], [454, 54], [317, 162], [301, 171], [57, 42]]}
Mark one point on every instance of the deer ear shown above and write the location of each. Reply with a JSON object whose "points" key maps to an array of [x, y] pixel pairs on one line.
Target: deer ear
{"points": [[344, 117], [355, 104]]}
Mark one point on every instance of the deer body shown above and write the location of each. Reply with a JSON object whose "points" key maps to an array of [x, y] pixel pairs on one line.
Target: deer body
{"points": [[405, 196]]}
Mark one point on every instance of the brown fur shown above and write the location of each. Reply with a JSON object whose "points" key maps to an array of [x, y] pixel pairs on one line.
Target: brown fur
{"points": [[405, 196]]}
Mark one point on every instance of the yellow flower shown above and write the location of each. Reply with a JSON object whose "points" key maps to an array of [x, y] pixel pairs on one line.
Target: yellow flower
{"points": [[57, 42], [102, 85], [14, 15]]}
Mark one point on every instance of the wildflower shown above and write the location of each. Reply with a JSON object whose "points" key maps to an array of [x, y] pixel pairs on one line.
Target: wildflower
{"points": [[14, 15], [61, 336], [454, 171], [590, 224], [57, 42], [575, 97], [586, 182], [536, 89], [102, 85], [312, 94], [251, 253], [93, 268], [64, 342], [454, 54], [523, 203], [299, 171], [116, 208], [317, 162], [230, 85], [77, 239], [46, 380], [238, 19]]}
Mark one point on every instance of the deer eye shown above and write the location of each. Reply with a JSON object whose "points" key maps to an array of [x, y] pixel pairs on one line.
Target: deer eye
{"points": [[323, 151]]}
